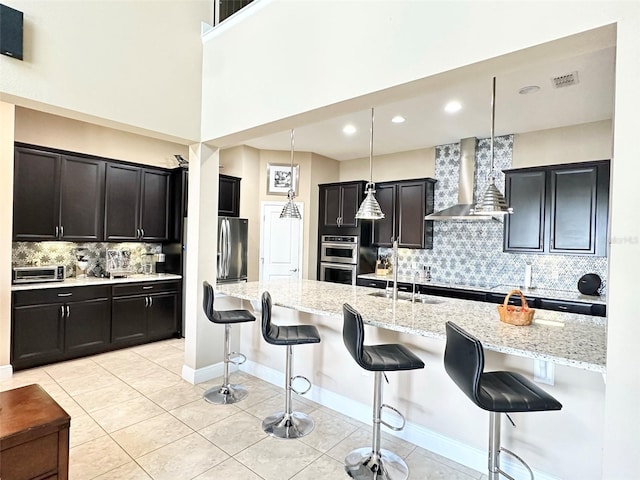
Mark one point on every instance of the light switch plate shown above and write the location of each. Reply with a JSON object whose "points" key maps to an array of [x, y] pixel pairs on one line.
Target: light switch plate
{"points": [[544, 372]]}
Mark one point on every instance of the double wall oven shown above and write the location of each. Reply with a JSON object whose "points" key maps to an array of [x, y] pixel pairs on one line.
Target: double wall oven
{"points": [[339, 258]]}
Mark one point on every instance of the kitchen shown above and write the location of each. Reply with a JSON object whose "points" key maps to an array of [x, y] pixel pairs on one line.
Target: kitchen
{"points": [[259, 183]]}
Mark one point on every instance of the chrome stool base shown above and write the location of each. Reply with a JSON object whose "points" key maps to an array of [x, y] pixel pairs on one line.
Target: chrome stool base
{"points": [[226, 394], [364, 464], [292, 425]]}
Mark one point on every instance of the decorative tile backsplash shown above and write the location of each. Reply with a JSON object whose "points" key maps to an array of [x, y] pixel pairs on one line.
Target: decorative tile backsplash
{"points": [[64, 253], [471, 253]]}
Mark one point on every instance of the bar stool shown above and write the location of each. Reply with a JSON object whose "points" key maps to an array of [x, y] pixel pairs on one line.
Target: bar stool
{"points": [[374, 462], [226, 393], [287, 424], [497, 392]]}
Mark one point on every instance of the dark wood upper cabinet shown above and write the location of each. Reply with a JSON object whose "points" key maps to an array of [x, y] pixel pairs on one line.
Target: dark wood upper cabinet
{"points": [[558, 209], [57, 196], [136, 204], [405, 204], [339, 203], [228, 196]]}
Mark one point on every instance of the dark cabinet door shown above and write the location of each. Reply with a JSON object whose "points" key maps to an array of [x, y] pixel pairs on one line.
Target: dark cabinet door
{"points": [[410, 208], [384, 230], [350, 197], [87, 327], [81, 199], [163, 315], [330, 204], [129, 320], [36, 195], [228, 196], [154, 215], [37, 335], [524, 228], [573, 210], [122, 203]]}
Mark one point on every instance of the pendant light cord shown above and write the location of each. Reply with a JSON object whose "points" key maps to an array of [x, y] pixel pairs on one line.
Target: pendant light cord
{"points": [[371, 150], [493, 121], [292, 143]]}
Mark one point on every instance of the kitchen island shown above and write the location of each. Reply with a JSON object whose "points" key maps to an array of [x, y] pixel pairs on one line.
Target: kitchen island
{"points": [[439, 416]]}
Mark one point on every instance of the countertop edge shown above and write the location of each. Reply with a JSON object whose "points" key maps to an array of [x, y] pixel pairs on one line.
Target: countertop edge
{"points": [[94, 281]]}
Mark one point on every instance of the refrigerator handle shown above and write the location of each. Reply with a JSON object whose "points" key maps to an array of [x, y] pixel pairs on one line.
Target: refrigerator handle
{"points": [[228, 248], [221, 246]]}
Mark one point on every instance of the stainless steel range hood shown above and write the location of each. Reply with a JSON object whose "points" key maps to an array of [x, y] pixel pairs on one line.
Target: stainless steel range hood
{"points": [[462, 210]]}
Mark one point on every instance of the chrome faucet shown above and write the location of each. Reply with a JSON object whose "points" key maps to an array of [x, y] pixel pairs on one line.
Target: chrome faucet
{"points": [[395, 270]]}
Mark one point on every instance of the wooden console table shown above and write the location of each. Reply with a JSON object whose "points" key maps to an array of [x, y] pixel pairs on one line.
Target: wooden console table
{"points": [[34, 436]]}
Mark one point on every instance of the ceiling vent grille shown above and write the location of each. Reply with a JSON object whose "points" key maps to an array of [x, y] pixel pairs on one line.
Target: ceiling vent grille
{"points": [[566, 80]]}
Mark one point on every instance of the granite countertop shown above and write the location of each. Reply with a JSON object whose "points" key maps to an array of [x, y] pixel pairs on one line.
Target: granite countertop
{"points": [[564, 338], [91, 281], [567, 295]]}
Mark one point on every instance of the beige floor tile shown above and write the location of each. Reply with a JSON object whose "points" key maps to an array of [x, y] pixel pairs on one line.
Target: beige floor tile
{"points": [[105, 397], [84, 429], [329, 430], [151, 434], [115, 358], [277, 459], [154, 381], [172, 362], [176, 395], [93, 458], [23, 378], [363, 438], [276, 404], [235, 433], [343, 417], [229, 470], [129, 370], [82, 367], [183, 459], [155, 351], [200, 413], [126, 413], [427, 465], [88, 383], [324, 467], [128, 471], [64, 400]]}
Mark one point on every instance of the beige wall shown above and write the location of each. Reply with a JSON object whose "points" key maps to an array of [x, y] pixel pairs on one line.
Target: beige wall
{"points": [[396, 166], [53, 131], [577, 143]]}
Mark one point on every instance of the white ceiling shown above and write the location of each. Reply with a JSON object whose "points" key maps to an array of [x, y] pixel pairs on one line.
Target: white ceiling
{"points": [[428, 125]]}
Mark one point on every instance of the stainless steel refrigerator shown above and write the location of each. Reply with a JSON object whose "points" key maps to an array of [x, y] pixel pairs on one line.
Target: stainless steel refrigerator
{"points": [[232, 249]]}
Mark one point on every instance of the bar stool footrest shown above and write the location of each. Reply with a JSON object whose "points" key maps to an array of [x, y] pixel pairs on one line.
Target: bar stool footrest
{"points": [[522, 462], [237, 358], [363, 463], [225, 394], [300, 377], [283, 425]]}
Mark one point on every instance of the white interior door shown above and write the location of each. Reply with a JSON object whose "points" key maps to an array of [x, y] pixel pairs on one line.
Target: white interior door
{"points": [[281, 243]]}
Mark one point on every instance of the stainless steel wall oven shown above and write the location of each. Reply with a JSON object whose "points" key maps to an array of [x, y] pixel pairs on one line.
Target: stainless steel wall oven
{"points": [[339, 258]]}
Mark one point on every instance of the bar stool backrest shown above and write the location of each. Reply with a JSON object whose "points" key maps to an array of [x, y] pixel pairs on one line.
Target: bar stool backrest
{"points": [[464, 361], [207, 303], [353, 333], [269, 331]]}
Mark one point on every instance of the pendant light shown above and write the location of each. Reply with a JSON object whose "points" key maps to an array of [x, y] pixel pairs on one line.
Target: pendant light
{"points": [[492, 202], [370, 209], [290, 210]]}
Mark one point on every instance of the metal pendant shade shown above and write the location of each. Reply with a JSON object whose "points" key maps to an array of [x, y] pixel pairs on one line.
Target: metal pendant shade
{"points": [[492, 202], [370, 208], [290, 209]]}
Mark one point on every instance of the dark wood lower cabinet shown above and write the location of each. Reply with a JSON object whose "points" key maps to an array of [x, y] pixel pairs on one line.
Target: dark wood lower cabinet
{"points": [[37, 335], [129, 324], [87, 327]]}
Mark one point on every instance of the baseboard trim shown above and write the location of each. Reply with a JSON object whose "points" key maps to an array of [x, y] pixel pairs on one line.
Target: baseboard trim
{"points": [[200, 375], [6, 371], [418, 435]]}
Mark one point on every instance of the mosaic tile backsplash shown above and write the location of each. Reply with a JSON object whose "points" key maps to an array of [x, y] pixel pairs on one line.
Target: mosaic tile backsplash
{"points": [[470, 253], [25, 254]]}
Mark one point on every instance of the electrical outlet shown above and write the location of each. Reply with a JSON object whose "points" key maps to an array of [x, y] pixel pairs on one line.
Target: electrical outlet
{"points": [[544, 372]]}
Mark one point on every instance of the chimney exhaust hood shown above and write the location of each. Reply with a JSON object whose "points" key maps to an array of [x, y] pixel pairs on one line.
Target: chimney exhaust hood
{"points": [[462, 211]]}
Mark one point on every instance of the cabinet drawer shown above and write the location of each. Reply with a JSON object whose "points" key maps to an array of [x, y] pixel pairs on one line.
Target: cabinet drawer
{"points": [[37, 458], [145, 288], [367, 282], [513, 300], [571, 307], [59, 295]]}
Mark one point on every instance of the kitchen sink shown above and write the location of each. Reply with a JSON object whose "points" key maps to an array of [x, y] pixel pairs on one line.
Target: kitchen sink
{"points": [[405, 296]]}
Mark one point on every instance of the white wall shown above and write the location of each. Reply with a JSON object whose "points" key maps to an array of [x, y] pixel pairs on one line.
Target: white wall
{"points": [[413, 40]]}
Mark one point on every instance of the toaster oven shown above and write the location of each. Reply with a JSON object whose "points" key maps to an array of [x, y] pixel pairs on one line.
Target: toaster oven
{"points": [[51, 273]]}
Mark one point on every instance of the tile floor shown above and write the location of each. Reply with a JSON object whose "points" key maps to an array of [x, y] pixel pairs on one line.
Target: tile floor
{"points": [[133, 417]]}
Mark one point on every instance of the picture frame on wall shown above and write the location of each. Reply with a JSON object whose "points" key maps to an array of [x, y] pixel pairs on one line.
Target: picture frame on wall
{"points": [[279, 178]]}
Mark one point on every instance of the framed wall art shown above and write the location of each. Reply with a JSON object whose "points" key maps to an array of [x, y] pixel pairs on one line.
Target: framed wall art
{"points": [[279, 178]]}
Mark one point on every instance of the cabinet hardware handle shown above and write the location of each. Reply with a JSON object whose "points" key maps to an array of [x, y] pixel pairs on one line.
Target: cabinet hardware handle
{"points": [[148, 287], [68, 310], [151, 301], [563, 307], [61, 231], [146, 302], [57, 231], [61, 311], [65, 294], [141, 233]]}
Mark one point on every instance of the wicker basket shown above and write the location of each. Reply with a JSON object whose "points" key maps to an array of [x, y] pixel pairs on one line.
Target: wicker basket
{"points": [[513, 315]]}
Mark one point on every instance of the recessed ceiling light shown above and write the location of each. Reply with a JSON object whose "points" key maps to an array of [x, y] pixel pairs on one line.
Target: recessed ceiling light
{"points": [[349, 129], [528, 89], [398, 119], [453, 106]]}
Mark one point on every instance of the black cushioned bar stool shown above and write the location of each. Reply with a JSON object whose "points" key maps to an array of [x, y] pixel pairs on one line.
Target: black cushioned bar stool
{"points": [[287, 424], [374, 462], [226, 393], [497, 392]]}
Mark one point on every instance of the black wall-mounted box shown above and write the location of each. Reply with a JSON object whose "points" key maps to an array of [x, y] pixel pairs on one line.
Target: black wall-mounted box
{"points": [[10, 32]]}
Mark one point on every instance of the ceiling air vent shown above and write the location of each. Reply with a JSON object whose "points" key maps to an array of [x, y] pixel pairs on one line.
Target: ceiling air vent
{"points": [[566, 80]]}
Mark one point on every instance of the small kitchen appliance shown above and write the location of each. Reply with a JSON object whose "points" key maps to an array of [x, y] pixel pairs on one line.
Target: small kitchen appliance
{"points": [[119, 263], [50, 273], [590, 284]]}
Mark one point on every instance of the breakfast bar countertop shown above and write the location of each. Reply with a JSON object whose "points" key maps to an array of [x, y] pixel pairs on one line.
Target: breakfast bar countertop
{"points": [[564, 338]]}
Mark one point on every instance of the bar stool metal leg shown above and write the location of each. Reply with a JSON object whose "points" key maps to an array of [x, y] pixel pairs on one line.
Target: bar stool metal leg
{"points": [[227, 393], [376, 463], [288, 424]]}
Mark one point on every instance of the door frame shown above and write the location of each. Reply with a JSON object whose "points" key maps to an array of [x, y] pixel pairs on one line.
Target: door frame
{"points": [[281, 205]]}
